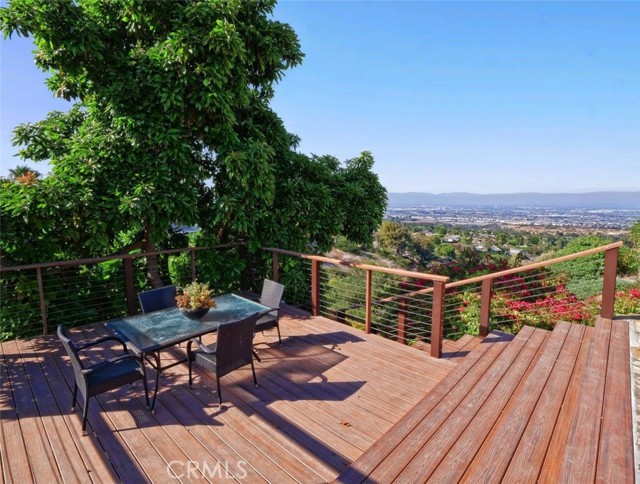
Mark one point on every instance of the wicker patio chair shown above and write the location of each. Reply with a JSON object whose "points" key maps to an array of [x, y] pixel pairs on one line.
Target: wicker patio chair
{"points": [[231, 351], [157, 299], [271, 296], [101, 377]]}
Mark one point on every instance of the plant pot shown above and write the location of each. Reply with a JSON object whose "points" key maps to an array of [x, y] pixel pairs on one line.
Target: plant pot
{"points": [[195, 313]]}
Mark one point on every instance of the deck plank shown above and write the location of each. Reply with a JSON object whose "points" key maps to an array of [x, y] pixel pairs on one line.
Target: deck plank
{"points": [[615, 453], [504, 438], [41, 458], [389, 394], [483, 402], [581, 451], [528, 458], [71, 459], [331, 400], [551, 465], [469, 369], [15, 463]]}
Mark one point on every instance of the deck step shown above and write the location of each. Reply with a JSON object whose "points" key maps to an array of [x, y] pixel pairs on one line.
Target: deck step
{"points": [[549, 406]]}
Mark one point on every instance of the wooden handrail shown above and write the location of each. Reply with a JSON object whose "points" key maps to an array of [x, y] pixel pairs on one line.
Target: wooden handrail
{"points": [[535, 265], [386, 270], [441, 284], [96, 260], [515, 270]]}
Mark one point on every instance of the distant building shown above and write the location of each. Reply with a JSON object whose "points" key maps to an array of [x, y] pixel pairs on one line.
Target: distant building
{"points": [[495, 248], [451, 239]]}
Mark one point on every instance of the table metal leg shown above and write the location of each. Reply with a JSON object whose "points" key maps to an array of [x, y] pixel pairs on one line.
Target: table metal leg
{"points": [[155, 392]]}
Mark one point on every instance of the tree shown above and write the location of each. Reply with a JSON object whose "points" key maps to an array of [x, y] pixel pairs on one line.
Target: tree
{"points": [[170, 123], [445, 250], [21, 171], [394, 238]]}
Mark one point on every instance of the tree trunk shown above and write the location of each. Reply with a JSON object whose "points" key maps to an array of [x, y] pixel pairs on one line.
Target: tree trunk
{"points": [[153, 270]]}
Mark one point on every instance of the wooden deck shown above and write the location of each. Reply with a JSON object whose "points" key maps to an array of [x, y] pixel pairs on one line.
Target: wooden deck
{"points": [[546, 406], [325, 397]]}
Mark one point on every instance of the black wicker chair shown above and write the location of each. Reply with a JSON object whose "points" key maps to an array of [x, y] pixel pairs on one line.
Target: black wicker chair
{"points": [[271, 296], [157, 299], [104, 376], [231, 351]]}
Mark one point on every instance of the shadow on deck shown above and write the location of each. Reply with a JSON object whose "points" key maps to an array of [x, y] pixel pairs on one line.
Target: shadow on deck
{"points": [[325, 397]]}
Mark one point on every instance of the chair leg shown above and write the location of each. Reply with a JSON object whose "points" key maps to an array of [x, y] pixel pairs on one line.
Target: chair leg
{"points": [[75, 395], [255, 380], [190, 376], [145, 385], [219, 391], [85, 414], [255, 355], [278, 328]]}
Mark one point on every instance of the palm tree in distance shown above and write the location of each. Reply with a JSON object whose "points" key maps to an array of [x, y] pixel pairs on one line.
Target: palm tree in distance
{"points": [[21, 171]]}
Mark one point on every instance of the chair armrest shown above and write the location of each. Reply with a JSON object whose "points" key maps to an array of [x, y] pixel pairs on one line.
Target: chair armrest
{"points": [[201, 346], [103, 340]]}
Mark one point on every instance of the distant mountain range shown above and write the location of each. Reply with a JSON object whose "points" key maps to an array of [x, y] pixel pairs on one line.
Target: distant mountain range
{"points": [[595, 200]]}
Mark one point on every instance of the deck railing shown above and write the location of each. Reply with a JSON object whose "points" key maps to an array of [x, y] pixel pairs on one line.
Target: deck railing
{"points": [[36, 297], [408, 311], [410, 307], [489, 281], [380, 299]]}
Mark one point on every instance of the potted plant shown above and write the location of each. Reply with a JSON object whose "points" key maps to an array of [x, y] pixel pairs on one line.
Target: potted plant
{"points": [[195, 300]]}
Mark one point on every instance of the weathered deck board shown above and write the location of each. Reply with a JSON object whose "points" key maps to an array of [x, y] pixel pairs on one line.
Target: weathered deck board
{"points": [[15, 464], [551, 465], [550, 407], [529, 456], [334, 402], [39, 452], [499, 445], [317, 409], [480, 407], [469, 369], [615, 454], [581, 451]]}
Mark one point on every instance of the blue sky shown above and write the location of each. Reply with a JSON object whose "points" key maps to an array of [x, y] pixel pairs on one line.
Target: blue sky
{"points": [[478, 97]]}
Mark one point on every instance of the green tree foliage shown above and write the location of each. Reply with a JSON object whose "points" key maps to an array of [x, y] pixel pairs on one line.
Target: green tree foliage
{"points": [[629, 258], [585, 274], [170, 123], [445, 250], [394, 238]]}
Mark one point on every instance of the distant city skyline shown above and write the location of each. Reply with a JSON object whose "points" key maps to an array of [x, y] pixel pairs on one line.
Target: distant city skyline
{"points": [[449, 97]]}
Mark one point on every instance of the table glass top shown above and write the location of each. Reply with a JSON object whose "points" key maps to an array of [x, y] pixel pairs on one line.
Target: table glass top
{"points": [[157, 330]]}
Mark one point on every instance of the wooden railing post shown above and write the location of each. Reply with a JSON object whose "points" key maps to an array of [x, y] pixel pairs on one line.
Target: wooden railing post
{"points": [[193, 264], [43, 306], [367, 300], [129, 285], [315, 287], [276, 266], [609, 283], [402, 321], [485, 306], [437, 318]]}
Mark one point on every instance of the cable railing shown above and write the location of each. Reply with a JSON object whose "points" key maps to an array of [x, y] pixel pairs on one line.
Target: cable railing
{"points": [[38, 297], [413, 307], [409, 307], [377, 299]]}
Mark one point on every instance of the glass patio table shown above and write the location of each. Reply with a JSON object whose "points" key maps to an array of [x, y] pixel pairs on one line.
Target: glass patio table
{"points": [[148, 334]]}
